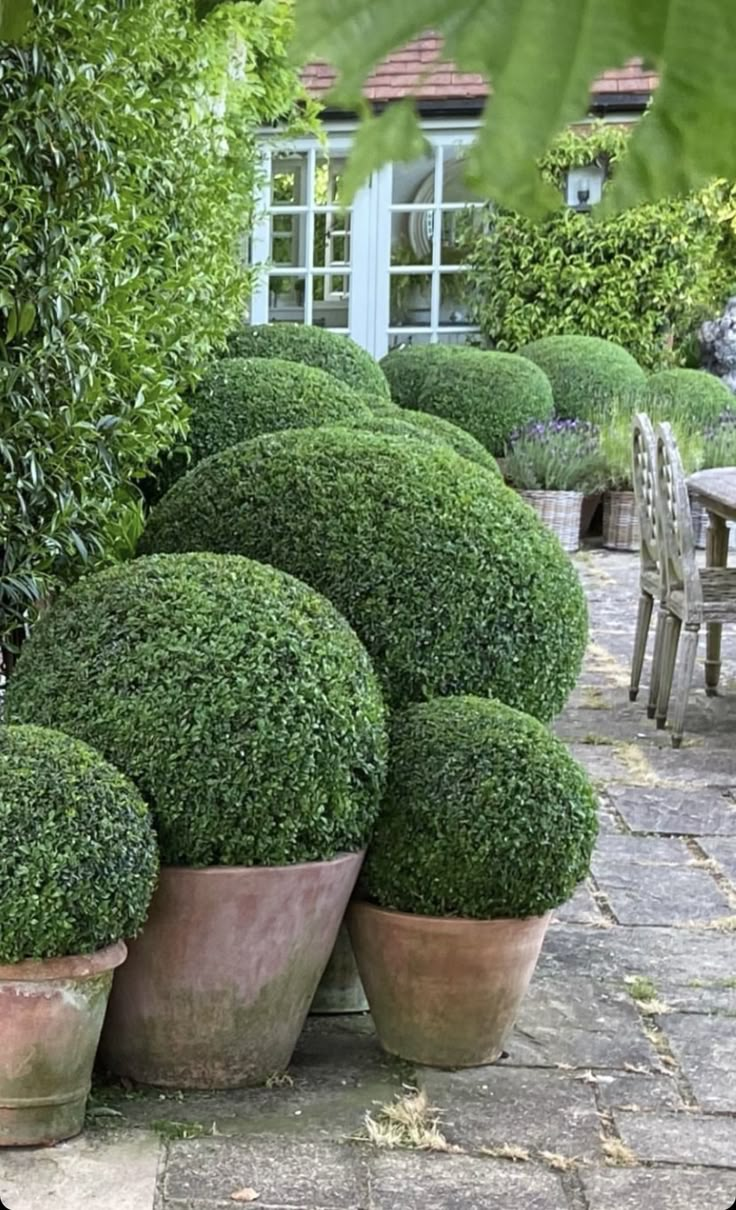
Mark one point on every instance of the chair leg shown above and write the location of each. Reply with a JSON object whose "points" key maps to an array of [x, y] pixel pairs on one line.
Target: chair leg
{"points": [[684, 680], [656, 661], [672, 629], [643, 620]]}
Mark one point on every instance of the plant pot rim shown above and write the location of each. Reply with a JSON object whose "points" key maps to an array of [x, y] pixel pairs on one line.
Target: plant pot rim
{"points": [[73, 966], [447, 922], [224, 870], [551, 491]]}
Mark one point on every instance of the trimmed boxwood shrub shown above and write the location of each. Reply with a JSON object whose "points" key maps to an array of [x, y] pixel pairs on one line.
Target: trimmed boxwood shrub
{"points": [[451, 581], [407, 368], [330, 351], [489, 394], [79, 860], [485, 815], [419, 426], [239, 701], [587, 374], [693, 395]]}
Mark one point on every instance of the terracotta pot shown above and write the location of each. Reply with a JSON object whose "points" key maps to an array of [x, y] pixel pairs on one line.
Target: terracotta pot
{"points": [[340, 989], [444, 992], [217, 987], [51, 1014]]}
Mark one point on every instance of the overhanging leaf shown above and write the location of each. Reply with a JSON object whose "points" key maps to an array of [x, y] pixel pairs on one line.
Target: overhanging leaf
{"points": [[15, 17], [395, 135]]}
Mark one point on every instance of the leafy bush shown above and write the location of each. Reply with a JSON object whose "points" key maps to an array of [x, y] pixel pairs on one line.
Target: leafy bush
{"points": [[128, 162], [489, 394], [330, 351], [555, 455], [239, 398], [239, 702], [79, 858], [690, 395], [485, 815], [644, 278], [406, 369], [587, 374], [449, 579], [719, 443], [420, 426]]}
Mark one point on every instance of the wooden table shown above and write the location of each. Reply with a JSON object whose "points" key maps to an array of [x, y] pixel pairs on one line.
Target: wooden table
{"points": [[716, 491]]}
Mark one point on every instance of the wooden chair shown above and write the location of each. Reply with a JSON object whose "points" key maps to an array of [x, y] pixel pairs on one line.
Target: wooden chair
{"points": [[693, 597], [651, 577]]}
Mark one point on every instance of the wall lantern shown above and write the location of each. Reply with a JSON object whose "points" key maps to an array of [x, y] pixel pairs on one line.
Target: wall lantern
{"points": [[584, 186]]}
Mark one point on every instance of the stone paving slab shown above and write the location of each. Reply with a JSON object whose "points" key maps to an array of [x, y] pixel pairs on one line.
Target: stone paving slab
{"points": [[679, 1138], [520, 1107], [629, 1090], [704, 812], [700, 998], [659, 1189], [724, 852], [98, 1172], [705, 1047], [648, 880], [579, 1023], [663, 954], [581, 909], [438, 1182]]}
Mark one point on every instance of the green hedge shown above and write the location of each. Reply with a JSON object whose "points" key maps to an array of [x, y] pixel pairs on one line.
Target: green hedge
{"points": [[79, 860], [407, 368], [587, 374], [238, 700], [485, 815], [330, 351], [451, 581], [420, 426], [690, 395], [489, 394]]}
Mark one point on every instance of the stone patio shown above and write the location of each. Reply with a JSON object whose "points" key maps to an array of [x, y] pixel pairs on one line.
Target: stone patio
{"points": [[619, 1088]]}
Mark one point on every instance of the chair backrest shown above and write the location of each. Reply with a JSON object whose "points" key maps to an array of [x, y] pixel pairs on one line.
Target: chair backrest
{"points": [[644, 477], [675, 522]]}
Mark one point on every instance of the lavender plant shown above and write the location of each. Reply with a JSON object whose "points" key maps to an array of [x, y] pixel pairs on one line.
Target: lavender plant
{"points": [[719, 442], [555, 455]]}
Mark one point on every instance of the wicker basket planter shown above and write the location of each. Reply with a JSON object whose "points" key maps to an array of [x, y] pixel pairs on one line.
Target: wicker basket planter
{"points": [[561, 512], [620, 521]]}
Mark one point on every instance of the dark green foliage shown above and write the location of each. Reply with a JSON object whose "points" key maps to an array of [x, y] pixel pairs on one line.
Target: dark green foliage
{"points": [[127, 167], [79, 860], [688, 395], [238, 700], [489, 394], [485, 815], [330, 351], [406, 369], [450, 580], [587, 374], [420, 426], [239, 398]]}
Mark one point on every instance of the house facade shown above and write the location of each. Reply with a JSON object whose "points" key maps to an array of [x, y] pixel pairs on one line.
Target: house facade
{"points": [[387, 271]]}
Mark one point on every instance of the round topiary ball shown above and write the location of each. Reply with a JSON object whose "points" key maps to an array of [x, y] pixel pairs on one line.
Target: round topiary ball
{"points": [[486, 815], [330, 351], [488, 394], [407, 368], [79, 860], [420, 426], [690, 395], [239, 701], [587, 373], [451, 581]]}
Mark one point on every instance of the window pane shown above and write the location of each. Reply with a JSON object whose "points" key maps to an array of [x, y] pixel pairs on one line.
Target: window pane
{"points": [[331, 240], [286, 298], [286, 242], [455, 299], [287, 181], [411, 238], [411, 299], [414, 182]]}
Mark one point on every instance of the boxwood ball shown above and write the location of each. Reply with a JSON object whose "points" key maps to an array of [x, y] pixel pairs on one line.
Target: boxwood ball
{"points": [[330, 351], [588, 374], [486, 815], [79, 860], [451, 581], [237, 699]]}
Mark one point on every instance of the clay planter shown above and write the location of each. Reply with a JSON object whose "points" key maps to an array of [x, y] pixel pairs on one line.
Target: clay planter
{"points": [[217, 987], [340, 989], [444, 992], [51, 1014]]}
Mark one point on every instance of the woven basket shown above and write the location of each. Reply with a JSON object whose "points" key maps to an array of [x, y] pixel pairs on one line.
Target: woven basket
{"points": [[620, 521], [560, 511]]}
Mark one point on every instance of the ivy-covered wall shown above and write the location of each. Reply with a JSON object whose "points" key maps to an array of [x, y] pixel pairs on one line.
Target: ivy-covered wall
{"points": [[126, 171], [644, 278]]}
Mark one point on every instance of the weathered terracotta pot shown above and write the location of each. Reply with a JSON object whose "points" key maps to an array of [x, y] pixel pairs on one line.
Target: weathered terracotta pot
{"points": [[444, 992], [217, 986], [51, 1014], [340, 989]]}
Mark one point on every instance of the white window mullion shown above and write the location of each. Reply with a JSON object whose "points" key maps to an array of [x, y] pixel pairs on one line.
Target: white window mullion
{"points": [[309, 240], [261, 240], [439, 167]]}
